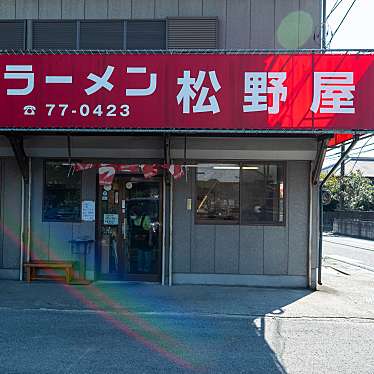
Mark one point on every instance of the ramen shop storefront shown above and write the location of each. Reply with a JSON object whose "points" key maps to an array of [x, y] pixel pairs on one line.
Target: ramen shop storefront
{"points": [[240, 219], [198, 169]]}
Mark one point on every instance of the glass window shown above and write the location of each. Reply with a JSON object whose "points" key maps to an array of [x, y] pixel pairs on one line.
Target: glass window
{"points": [[217, 193], [62, 193], [240, 194], [261, 194]]}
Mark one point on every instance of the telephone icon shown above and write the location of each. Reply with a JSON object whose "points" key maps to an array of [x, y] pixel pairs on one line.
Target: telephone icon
{"points": [[29, 110]]}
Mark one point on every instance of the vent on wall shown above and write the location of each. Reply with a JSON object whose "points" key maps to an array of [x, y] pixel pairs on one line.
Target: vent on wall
{"points": [[147, 34], [54, 34], [101, 35], [192, 33], [12, 35]]}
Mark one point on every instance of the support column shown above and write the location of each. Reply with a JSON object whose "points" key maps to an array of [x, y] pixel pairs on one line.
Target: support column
{"points": [[16, 143], [167, 244]]}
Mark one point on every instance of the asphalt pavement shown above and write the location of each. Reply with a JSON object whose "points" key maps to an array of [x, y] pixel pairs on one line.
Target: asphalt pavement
{"points": [[355, 251], [144, 328]]}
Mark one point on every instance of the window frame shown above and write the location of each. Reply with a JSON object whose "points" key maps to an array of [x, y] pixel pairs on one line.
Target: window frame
{"points": [[242, 163], [79, 220]]}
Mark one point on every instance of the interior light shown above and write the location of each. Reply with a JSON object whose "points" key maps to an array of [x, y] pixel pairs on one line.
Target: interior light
{"points": [[226, 167], [250, 168]]}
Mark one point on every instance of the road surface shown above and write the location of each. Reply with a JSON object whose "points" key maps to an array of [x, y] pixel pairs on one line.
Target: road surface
{"points": [[351, 250], [139, 328]]}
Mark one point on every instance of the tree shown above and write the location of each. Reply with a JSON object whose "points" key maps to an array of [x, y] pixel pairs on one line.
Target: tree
{"points": [[358, 192]]}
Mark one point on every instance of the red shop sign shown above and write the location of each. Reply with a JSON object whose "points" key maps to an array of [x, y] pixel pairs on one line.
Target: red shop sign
{"points": [[212, 92]]}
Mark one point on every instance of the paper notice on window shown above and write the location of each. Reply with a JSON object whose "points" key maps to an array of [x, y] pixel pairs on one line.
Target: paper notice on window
{"points": [[111, 219], [88, 211]]}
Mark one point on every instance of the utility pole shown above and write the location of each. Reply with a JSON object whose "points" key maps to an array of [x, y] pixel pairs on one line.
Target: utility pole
{"points": [[324, 20], [342, 175]]}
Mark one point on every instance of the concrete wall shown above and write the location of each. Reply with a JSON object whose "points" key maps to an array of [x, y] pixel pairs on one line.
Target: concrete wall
{"points": [[244, 254], [10, 213], [243, 24]]}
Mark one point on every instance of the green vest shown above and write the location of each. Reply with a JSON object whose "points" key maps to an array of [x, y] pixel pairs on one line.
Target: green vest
{"points": [[144, 222]]}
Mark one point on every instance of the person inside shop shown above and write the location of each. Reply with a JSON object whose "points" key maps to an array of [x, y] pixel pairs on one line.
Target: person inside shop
{"points": [[142, 238]]}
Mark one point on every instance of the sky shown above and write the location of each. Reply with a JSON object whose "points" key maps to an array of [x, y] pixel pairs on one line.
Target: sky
{"points": [[356, 32]]}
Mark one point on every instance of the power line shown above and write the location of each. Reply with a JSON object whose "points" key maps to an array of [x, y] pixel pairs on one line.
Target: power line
{"points": [[351, 155], [335, 6], [358, 156], [341, 22], [347, 142], [366, 151], [337, 154]]}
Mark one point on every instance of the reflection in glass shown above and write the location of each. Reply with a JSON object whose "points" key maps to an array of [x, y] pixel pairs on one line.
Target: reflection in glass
{"points": [[217, 193], [62, 193], [261, 190], [261, 194]]}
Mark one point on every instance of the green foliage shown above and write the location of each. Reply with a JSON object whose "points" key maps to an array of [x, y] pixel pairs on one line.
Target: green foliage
{"points": [[358, 192]]}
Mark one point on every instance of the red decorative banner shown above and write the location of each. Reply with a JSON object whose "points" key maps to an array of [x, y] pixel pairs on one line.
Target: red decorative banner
{"points": [[166, 92], [108, 171]]}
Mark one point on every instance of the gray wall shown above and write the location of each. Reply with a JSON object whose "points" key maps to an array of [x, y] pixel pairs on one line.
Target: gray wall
{"points": [[243, 24], [50, 240], [250, 250], [10, 213]]}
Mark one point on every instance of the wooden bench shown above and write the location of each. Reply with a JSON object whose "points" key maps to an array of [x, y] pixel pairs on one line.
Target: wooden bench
{"points": [[32, 267]]}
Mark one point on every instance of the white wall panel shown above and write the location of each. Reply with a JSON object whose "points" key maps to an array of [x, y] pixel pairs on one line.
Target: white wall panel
{"points": [[27, 9], [298, 206], [275, 250], [190, 8], [202, 248], [226, 250], [251, 260], [11, 213], [143, 9], [166, 8], [182, 225], [72, 9], [286, 24], [96, 9], [39, 229], [262, 24], [313, 9], [238, 24], [7, 9], [49, 9], [119, 9], [217, 8]]}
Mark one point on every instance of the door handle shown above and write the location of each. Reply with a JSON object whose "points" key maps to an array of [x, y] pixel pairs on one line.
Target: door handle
{"points": [[124, 228]]}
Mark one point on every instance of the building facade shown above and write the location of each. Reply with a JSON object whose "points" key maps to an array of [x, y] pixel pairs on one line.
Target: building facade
{"points": [[244, 213]]}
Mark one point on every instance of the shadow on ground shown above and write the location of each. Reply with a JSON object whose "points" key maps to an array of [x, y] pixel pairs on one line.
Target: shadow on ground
{"points": [[139, 328]]}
